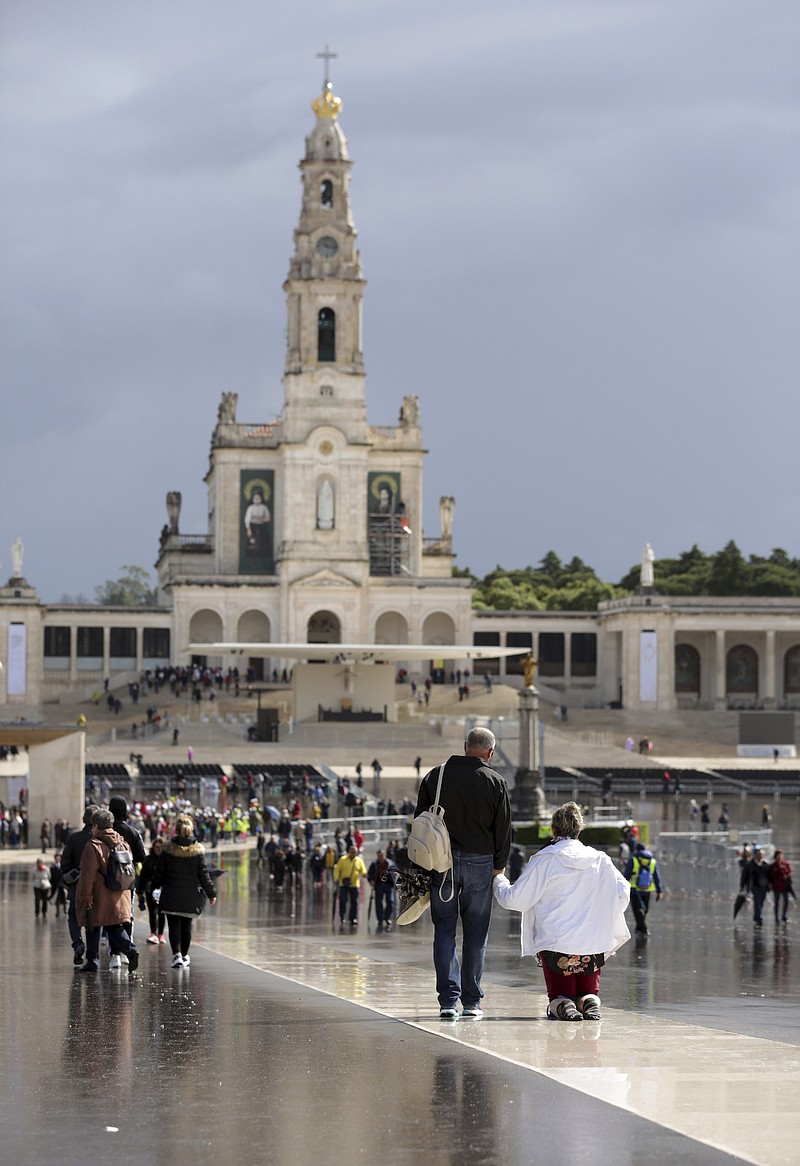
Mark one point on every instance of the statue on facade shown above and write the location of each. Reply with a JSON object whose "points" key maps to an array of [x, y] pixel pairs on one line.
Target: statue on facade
{"points": [[447, 506], [173, 510], [529, 666], [226, 414], [325, 505], [409, 412], [646, 574], [17, 551]]}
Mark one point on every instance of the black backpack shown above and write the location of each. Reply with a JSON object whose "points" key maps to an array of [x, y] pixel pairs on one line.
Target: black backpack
{"points": [[121, 869]]}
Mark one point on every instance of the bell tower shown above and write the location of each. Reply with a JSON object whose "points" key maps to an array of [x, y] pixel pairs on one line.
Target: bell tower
{"points": [[324, 374]]}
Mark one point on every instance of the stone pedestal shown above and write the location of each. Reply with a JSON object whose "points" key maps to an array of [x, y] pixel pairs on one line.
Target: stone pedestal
{"points": [[528, 799]]}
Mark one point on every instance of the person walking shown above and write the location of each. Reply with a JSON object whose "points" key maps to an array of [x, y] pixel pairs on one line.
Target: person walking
{"points": [[347, 875], [379, 877], [182, 875], [97, 904], [780, 881], [756, 880], [477, 814], [70, 873], [573, 901], [58, 891], [133, 839], [144, 889], [41, 886], [641, 872]]}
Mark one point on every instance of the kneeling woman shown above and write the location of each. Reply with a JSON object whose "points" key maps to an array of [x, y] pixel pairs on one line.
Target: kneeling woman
{"points": [[183, 876], [573, 901]]}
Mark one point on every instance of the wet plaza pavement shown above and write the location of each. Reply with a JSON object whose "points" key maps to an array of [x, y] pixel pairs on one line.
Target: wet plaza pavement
{"points": [[289, 1040]]}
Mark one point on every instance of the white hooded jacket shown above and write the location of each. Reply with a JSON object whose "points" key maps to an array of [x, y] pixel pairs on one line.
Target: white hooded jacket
{"points": [[572, 899]]}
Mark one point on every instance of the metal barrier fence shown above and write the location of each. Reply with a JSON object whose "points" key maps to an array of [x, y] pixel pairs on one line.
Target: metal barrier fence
{"points": [[706, 865]]}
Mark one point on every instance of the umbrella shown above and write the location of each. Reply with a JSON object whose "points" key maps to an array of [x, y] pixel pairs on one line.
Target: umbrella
{"points": [[740, 902], [273, 813]]}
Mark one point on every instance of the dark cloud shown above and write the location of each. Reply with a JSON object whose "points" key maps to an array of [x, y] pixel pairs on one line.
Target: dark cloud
{"points": [[578, 220]]}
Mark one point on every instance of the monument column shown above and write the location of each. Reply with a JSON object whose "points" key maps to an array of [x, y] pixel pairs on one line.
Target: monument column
{"points": [[769, 671], [528, 799], [567, 658], [719, 669]]}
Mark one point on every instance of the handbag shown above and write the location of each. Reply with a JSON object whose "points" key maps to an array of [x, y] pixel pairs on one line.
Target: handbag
{"points": [[429, 841]]}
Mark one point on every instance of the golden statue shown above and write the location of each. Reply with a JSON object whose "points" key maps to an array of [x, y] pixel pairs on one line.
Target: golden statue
{"points": [[529, 664]]}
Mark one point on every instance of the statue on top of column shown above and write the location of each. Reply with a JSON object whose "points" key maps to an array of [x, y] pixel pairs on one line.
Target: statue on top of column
{"points": [[646, 575], [529, 666]]}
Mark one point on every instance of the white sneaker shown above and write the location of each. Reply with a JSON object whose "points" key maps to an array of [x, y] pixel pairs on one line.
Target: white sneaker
{"points": [[115, 963], [187, 960], [177, 961], [152, 938], [124, 958]]}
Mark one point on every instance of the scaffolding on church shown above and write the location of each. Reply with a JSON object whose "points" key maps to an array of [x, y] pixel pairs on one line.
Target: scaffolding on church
{"points": [[388, 544]]}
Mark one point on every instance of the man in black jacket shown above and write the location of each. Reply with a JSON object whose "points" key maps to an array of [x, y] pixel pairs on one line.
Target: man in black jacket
{"points": [[119, 808], [477, 814], [70, 872]]}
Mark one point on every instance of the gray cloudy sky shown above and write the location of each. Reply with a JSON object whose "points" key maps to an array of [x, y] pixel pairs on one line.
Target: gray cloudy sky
{"points": [[578, 220]]}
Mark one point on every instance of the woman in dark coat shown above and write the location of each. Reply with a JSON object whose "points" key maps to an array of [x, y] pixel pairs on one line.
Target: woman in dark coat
{"points": [[144, 889], [185, 883]]}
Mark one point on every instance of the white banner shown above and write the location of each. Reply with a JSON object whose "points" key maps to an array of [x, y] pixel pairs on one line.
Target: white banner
{"points": [[17, 645], [648, 667]]}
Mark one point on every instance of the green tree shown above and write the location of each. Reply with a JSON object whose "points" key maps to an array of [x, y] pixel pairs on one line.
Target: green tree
{"points": [[551, 566], [729, 572], [132, 589]]}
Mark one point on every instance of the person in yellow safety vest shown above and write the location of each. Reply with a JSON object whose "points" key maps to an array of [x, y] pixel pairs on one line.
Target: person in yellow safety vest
{"points": [[330, 862], [642, 873], [347, 875]]}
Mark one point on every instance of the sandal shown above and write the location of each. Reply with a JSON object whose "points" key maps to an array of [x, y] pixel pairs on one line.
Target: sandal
{"points": [[590, 1007], [562, 1008]]}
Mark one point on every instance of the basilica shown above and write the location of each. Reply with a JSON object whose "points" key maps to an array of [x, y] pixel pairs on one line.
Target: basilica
{"points": [[314, 538]]}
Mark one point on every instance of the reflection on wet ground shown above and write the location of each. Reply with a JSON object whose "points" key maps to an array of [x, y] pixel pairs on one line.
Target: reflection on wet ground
{"points": [[282, 1042]]}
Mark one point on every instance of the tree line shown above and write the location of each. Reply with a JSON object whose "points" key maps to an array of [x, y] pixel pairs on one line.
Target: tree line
{"points": [[575, 586]]}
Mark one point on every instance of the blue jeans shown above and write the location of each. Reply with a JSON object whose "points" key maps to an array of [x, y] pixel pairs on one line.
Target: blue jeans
{"points": [[472, 900]]}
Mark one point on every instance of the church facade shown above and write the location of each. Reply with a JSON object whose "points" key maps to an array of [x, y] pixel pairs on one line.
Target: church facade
{"points": [[314, 516], [314, 537]]}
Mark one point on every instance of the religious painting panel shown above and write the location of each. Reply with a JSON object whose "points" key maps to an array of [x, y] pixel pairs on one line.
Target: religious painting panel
{"points": [[791, 670], [256, 506], [386, 524], [741, 670], [687, 669]]}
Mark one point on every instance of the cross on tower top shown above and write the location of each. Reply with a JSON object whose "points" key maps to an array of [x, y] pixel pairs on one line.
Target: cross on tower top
{"points": [[327, 56]]}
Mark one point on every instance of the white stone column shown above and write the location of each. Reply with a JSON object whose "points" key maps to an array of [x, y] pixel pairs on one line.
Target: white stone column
{"points": [[719, 669], [768, 686], [73, 653], [567, 658], [106, 651], [667, 697]]}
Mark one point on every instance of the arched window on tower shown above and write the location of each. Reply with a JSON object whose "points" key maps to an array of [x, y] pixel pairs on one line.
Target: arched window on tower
{"points": [[326, 194], [326, 334]]}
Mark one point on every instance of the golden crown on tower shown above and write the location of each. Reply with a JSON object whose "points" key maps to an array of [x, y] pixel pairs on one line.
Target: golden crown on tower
{"points": [[327, 105]]}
